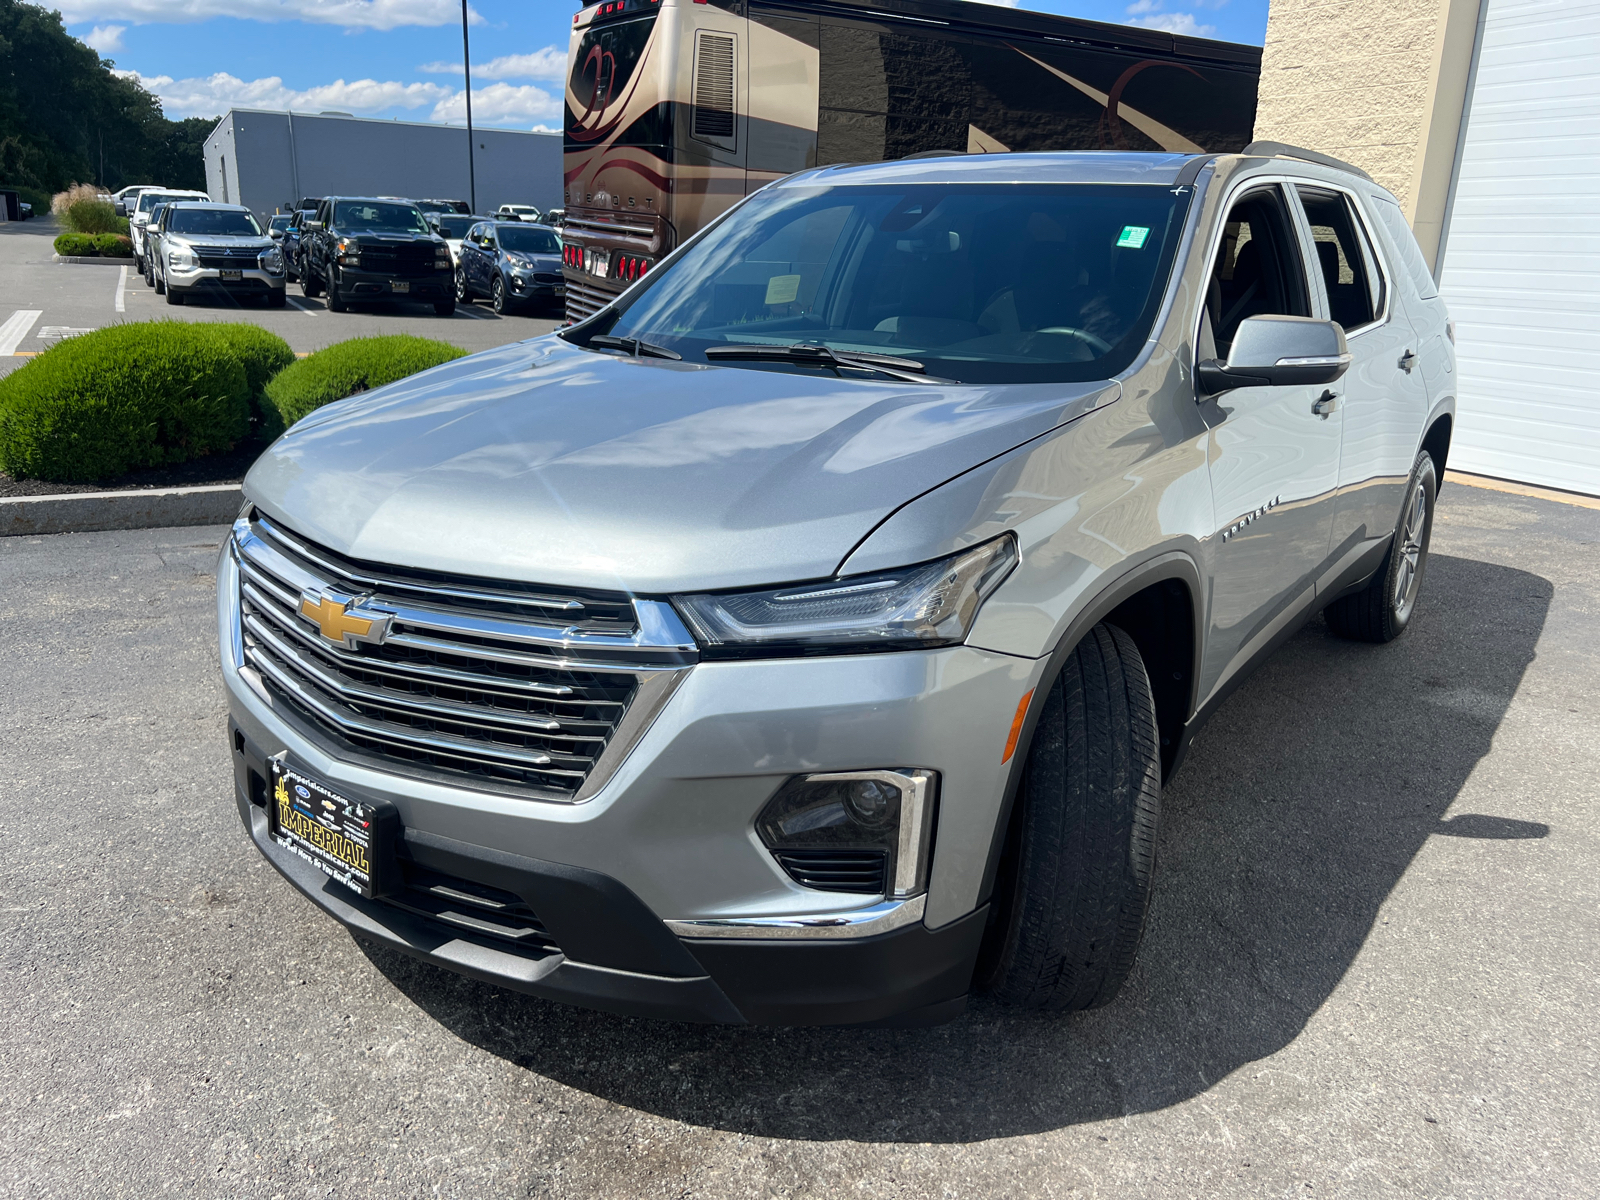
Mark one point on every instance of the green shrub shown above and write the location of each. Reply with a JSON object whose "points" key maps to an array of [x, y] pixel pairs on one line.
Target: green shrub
{"points": [[74, 245], [263, 355], [91, 216], [101, 404], [350, 367], [113, 245]]}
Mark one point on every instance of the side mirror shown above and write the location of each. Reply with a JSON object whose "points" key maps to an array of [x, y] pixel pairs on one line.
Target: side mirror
{"points": [[275, 234], [1272, 351]]}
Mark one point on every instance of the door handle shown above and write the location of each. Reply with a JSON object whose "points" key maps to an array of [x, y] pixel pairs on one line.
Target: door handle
{"points": [[1407, 361], [1326, 404]]}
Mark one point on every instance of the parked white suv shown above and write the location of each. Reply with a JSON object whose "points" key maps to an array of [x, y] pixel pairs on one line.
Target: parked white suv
{"points": [[516, 212], [141, 216]]}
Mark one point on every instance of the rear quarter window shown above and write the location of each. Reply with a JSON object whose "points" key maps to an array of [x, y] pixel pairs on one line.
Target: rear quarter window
{"points": [[1404, 244]]}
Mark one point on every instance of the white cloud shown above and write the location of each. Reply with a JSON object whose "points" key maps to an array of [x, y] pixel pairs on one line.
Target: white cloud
{"points": [[549, 63], [105, 39], [499, 103], [1183, 23], [215, 94], [1144, 6], [212, 95], [349, 14]]}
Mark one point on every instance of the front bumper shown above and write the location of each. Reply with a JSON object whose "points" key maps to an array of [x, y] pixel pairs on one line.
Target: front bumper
{"points": [[254, 282], [356, 284], [683, 913]]}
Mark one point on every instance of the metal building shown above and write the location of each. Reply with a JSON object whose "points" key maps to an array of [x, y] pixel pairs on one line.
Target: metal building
{"points": [[266, 160]]}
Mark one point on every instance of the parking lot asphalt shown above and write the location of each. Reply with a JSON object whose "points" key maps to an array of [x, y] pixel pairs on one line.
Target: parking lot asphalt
{"points": [[1370, 968], [56, 300]]}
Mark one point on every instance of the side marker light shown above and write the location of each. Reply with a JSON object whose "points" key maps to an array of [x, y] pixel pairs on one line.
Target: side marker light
{"points": [[1016, 726]]}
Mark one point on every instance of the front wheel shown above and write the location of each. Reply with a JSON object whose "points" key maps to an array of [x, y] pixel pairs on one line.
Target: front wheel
{"points": [[1075, 879], [463, 292], [1381, 611], [336, 302], [309, 287], [174, 296], [277, 298], [160, 284], [497, 296]]}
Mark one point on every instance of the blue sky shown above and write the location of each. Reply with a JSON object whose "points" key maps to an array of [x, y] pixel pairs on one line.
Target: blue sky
{"points": [[401, 58]]}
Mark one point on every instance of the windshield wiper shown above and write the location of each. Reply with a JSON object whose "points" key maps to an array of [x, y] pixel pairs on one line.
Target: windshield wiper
{"points": [[634, 347], [907, 369]]}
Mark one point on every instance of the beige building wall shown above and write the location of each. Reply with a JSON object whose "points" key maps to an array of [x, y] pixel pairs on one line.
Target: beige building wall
{"points": [[1379, 83]]}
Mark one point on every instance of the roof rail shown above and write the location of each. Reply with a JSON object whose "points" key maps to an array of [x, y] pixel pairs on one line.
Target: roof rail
{"points": [[1281, 150]]}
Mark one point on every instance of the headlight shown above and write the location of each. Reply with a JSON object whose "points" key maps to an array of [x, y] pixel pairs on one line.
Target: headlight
{"points": [[442, 258], [349, 252], [181, 257], [914, 608], [272, 261]]}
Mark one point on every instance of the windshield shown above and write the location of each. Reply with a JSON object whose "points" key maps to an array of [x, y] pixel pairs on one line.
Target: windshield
{"points": [[213, 222], [281, 222], [371, 214], [528, 239], [148, 200], [455, 227], [983, 283]]}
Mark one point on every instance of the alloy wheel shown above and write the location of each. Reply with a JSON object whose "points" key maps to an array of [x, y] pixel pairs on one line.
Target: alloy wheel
{"points": [[1408, 571], [497, 296]]}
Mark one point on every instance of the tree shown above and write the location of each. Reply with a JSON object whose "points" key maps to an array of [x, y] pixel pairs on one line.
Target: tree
{"points": [[65, 117]]}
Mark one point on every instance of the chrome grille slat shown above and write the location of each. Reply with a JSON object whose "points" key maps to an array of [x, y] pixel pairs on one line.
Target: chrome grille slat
{"points": [[391, 583], [443, 710], [386, 730], [443, 676], [504, 694]]}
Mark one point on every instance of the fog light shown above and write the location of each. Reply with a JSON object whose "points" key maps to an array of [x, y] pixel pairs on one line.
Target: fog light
{"points": [[854, 831]]}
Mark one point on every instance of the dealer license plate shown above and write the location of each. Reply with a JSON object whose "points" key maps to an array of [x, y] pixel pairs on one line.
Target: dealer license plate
{"points": [[353, 841], [233, 274], [396, 285], [561, 289]]}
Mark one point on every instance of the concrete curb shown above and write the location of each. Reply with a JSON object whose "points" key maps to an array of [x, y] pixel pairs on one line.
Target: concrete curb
{"points": [[83, 512], [98, 261]]}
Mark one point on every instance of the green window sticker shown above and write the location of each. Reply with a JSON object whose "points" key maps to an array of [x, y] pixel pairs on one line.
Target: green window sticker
{"points": [[1133, 237], [783, 289]]}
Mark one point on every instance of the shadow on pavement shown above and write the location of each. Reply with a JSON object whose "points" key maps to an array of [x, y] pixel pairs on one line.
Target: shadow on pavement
{"points": [[1299, 809]]}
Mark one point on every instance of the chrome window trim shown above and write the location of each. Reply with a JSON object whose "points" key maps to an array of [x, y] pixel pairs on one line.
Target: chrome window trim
{"points": [[1369, 250], [855, 923]]}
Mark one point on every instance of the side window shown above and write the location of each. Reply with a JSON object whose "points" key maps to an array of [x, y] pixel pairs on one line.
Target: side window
{"points": [[1354, 293], [1394, 224], [1258, 271]]}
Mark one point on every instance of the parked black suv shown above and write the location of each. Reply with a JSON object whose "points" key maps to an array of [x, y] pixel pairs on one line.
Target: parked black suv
{"points": [[361, 249]]}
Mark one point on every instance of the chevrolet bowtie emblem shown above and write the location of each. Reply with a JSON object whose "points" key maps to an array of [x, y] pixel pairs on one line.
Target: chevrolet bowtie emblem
{"points": [[342, 620]]}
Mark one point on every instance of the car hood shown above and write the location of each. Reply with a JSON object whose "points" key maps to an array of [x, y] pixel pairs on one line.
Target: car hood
{"points": [[543, 462], [211, 241]]}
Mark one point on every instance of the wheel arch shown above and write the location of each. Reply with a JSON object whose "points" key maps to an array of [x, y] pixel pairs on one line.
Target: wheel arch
{"points": [[1436, 439], [1159, 604]]}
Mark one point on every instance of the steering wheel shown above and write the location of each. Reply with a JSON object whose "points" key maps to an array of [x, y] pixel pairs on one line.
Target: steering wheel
{"points": [[1098, 344]]}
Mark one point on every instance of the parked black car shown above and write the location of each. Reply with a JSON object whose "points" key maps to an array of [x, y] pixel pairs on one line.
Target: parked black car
{"points": [[511, 263], [445, 206], [361, 249], [290, 242]]}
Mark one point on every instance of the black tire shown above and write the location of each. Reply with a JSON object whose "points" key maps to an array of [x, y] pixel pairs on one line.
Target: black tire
{"points": [[174, 296], [160, 285], [309, 287], [1382, 611], [497, 296], [463, 292], [1074, 886], [336, 302]]}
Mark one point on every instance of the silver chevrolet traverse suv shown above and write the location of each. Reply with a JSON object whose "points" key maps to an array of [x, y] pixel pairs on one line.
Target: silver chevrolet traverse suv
{"points": [[805, 638]]}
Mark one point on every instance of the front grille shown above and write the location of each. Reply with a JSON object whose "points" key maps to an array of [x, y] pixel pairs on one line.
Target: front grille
{"points": [[835, 870], [474, 907], [406, 261], [547, 277], [229, 260], [584, 301], [474, 678]]}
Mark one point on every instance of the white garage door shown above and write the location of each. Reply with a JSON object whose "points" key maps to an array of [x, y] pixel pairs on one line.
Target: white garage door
{"points": [[1521, 269]]}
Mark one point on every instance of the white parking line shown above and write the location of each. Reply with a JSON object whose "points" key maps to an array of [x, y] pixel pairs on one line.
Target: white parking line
{"points": [[463, 311], [122, 284], [310, 312], [16, 328]]}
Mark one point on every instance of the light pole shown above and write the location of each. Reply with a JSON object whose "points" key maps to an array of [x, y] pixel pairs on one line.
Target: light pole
{"points": [[466, 63]]}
